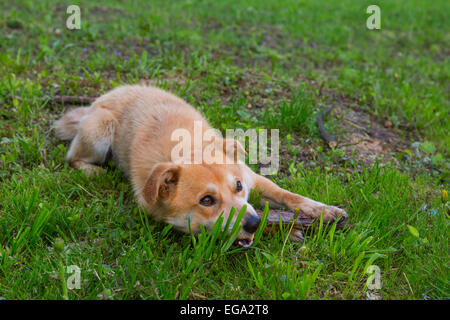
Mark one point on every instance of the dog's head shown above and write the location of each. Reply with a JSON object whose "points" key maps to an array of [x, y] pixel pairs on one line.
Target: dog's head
{"points": [[197, 194]]}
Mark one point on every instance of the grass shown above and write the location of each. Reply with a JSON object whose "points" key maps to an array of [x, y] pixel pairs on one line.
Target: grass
{"points": [[247, 64]]}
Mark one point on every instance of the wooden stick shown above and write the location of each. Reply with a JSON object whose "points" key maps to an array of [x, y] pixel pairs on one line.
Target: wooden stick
{"points": [[301, 223], [74, 100], [329, 138]]}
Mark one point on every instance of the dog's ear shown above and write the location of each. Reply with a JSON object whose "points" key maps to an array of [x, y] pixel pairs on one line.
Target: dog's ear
{"points": [[162, 182], [232, 147]]}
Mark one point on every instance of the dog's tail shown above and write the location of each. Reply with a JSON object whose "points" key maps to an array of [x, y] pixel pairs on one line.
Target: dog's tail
{"points": [[66, 127]]}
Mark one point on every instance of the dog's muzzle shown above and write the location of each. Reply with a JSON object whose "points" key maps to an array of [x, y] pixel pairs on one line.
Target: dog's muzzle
{"points": [[251, 224]]}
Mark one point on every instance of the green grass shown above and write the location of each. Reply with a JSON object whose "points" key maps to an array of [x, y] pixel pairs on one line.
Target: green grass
{"points": [[246, 64]]}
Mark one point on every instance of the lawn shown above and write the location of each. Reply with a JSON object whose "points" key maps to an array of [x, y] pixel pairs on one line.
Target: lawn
{"points": [[244, 64]]}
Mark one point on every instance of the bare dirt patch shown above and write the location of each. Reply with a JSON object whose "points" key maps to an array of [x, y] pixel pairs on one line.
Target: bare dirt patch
{"points": [[356, 131], [364, 134]]}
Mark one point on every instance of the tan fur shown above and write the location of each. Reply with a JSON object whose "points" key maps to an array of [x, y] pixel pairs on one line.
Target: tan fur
{"points": [[135, 123]]}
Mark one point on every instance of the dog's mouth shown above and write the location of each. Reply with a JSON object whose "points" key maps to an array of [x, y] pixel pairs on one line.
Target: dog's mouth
{"points": [[244, 243]]}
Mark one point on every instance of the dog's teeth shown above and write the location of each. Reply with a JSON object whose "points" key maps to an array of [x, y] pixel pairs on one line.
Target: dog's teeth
{"points": [[245, 243]]}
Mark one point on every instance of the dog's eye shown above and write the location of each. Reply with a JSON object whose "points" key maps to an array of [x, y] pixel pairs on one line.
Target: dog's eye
{"points": [[207, 201], [238, 186]]}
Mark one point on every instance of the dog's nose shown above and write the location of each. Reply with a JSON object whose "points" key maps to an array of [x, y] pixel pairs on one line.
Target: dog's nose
{"points": [[252, 223]]}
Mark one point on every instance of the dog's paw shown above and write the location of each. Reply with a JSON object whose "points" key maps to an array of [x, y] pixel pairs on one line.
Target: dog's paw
{"points": [[331, 213], [316, 209]]}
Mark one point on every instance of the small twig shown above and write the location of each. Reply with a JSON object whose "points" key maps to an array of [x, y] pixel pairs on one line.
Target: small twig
{"points": [[354, 144], [72, 99], [75, 100], [326, 136], [198, 295], [409, 285], [357, 126], [85, 190]]}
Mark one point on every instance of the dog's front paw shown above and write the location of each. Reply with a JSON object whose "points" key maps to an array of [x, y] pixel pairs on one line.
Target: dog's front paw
{"points": [[331, 213], [316, 209]]}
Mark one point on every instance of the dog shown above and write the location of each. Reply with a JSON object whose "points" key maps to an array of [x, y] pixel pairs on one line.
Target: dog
{"points": [[135, 125]]}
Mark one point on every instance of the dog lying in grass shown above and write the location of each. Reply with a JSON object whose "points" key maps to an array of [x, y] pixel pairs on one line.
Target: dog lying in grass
{"points": [[135, 124]]}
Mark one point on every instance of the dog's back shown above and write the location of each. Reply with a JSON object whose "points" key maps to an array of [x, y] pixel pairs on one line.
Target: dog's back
{"points": [[134, 122]]}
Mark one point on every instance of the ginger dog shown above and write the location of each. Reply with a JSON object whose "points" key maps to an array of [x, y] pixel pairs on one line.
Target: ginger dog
{"points": [[135, 124]]}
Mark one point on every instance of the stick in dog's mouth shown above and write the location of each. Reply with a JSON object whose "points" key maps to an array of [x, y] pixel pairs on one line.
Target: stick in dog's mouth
{"points": [[286, 218]]}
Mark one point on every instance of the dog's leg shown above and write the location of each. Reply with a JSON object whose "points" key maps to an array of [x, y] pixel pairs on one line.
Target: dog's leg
{"points": [[279, 197], [92, 141]]}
